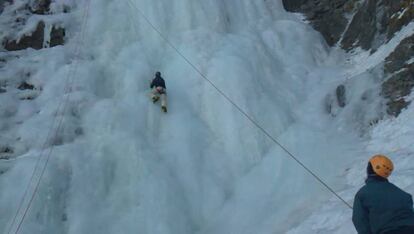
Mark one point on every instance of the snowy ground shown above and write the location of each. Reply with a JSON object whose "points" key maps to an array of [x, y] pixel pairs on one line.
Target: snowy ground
{"points": [[119, 165]]}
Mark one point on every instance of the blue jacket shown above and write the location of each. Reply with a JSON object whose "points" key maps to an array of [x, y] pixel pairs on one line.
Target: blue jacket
{"points": [[380, 206], [158, 81]]}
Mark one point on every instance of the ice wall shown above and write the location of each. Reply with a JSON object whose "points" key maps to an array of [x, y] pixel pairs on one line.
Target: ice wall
{"points": [[203, 167]]}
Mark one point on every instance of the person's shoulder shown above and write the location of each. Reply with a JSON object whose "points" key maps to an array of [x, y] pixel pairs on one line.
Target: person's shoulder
{"points": [[399, 189], [362, 191]]}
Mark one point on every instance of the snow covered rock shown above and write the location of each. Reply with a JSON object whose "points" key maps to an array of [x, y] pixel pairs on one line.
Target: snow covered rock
{"points": [[376, 22], [371, 22], [327, 16], [25, 85], [5, 151], [35, 40], [368, 25], [397, 88], [28, 91], [401, 70], [40, 7], [36, 25], [399, 58]]}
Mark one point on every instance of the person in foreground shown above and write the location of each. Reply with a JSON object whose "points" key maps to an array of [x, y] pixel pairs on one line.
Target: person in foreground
{"points": [[380, 207], [159, 89]]}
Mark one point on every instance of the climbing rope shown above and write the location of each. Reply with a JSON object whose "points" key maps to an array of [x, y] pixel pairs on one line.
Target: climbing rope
{"points": [[235, 105], [62, 105]]}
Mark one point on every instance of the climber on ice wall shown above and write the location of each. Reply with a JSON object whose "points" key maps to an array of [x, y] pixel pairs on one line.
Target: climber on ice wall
{"points": [[380, 207], [158, 89]]}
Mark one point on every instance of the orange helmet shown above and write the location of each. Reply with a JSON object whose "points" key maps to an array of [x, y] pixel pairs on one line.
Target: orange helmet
{"points": [[382, 165]]}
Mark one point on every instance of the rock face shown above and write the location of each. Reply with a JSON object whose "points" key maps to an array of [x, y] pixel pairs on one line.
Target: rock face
{"points": [[398, 87], [396, 102], [367, 24], [34, 41], [401, 80], [41, 7], [363, 28], [376, 22], [399, 58], [293, 5], [57, 37], [327, 16], [373, 23], [341, 95]]}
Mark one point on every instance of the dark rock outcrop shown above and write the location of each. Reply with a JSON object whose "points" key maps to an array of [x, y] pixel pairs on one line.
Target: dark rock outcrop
{"points": [[397, 60], [35, 40], [24, 86], [372, 24], [394, 22], [327, 16], [376, 22], [363, 28], [401, 80], [6, 149], [341, 95], [398, 87], [29, 91], [57, 36], [293, 5], [41, 7], [5, 152]]}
